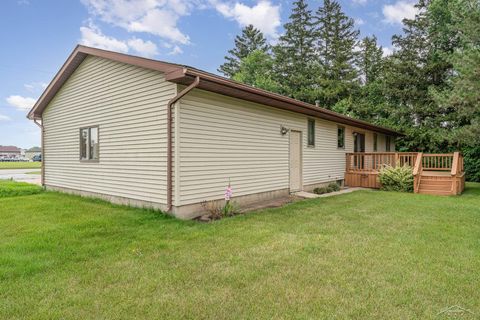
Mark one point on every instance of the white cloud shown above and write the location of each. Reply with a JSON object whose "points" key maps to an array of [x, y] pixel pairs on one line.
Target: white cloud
{"points": [[387, 51], [156, 17], [161, 23], [359, 21], [160, 18], [4, 118], [21, 103], [264, 15], [176, 50], [395, 13], [92, 36], [35, 86], [146, 48]]}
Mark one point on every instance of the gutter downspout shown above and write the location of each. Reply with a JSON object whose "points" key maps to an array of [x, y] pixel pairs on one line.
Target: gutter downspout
{"points": [[40, 125], [169, 138]]}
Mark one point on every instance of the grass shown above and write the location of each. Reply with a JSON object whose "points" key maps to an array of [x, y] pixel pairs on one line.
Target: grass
{"points": [[10, 188], [34, 172], [20, 165], [363, 255]]}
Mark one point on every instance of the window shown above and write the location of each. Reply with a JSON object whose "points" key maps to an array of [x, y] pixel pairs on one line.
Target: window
{"points": [[375, 142], [311, 132], [341, 137], [89, 143], [387, 143]]}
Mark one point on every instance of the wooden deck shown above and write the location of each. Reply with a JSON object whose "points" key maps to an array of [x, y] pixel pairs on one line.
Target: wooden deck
{"points": [[439, 174]]}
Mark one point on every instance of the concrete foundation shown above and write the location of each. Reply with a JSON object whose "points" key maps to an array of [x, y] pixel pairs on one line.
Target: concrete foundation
{"points": [[189, 211]]}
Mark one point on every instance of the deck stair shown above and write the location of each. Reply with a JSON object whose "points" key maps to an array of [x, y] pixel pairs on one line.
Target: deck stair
{"points": [[439, 174]]}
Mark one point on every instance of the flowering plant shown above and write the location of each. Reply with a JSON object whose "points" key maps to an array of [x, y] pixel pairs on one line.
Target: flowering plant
{"points": [[228, 193]]}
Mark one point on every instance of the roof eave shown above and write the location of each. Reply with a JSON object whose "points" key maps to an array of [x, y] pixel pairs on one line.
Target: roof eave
{"points": [[280, 101]]}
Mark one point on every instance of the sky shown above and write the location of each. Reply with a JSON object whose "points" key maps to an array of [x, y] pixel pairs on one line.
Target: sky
{"points": [[36, 37]]}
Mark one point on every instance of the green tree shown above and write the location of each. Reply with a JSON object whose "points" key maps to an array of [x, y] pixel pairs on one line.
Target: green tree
{"points": [[462, 93], [336, 39], [249, 40], [417, 66], [256, 69], [370, 60], [295, 55]]}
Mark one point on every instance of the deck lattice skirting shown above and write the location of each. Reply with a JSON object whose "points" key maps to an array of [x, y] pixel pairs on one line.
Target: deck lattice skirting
{"points": [[438, 174]]}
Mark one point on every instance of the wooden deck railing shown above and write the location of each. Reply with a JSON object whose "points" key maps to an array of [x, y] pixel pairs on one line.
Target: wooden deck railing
{"points": [[430, 171], [437, 162], [374, 161]]}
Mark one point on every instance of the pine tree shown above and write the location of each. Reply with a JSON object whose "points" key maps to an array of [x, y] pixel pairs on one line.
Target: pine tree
{"points": [[295, 55], [336, 42], [250, 40], [462, 93], [370, 60], [410, 74], [257, 70], [368, 103]]}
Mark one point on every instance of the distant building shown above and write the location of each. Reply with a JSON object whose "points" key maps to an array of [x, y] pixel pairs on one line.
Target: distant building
{"points": [[10, 152], [30, 153]]}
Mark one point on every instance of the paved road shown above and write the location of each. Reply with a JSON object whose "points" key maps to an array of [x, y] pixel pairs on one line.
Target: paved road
{"points": [[21, 175]]}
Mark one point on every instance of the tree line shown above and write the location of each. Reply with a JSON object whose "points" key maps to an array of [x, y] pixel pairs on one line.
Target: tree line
{"points": [[428, 88]]}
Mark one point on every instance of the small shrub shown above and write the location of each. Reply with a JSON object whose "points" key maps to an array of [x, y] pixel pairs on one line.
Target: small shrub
{"points": [[320, 190], [330, 188], [217, 211], [231, 208], [397, 178], [334, 186]]}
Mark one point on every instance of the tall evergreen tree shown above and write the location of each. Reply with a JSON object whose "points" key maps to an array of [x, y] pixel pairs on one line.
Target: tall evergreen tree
{"points": [[410, 74], [462, 94], [257, 70], [370, 60], [336, 41], [251, 39], [368, 104], [295, 54]]}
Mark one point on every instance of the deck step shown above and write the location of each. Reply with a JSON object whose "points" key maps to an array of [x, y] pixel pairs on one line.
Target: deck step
{"points": [[436, 183], [436, 187], [435, 192]]}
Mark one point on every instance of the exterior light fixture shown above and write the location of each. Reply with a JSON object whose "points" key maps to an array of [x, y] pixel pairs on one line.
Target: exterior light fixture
{"points": [[283, 130]]}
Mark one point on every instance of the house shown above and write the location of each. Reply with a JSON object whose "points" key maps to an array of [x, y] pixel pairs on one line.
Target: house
{"points": [[148, 133], [10, 152], [34, 151]]}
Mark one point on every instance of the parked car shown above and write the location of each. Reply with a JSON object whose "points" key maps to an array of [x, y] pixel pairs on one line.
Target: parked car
{"points": [[37, 158]]}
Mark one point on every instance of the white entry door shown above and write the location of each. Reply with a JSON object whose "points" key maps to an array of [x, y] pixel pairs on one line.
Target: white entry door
{"points": [[295, 161]]}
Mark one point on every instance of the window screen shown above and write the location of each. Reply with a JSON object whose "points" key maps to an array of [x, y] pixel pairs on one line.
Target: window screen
{"points": [[89, 144], [341, 137], [311, 132]]}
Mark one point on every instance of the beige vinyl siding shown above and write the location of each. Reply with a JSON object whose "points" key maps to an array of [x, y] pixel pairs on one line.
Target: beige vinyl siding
{"points": [[225, 139], [128, 104]]}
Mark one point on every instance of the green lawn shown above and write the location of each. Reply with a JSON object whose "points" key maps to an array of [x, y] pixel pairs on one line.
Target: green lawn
{"points": [[20, 165], [10, 188], [364, 255]]}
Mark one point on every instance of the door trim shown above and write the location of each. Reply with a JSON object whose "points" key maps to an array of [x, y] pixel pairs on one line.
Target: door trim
{"points": [[301, 161]]}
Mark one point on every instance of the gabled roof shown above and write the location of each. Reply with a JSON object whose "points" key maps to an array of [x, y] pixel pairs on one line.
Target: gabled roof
{"points": [[9, 149], [185, 75]]}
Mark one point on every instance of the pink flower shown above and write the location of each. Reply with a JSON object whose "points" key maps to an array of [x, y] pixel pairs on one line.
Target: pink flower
{"points": [[228, 193]]}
